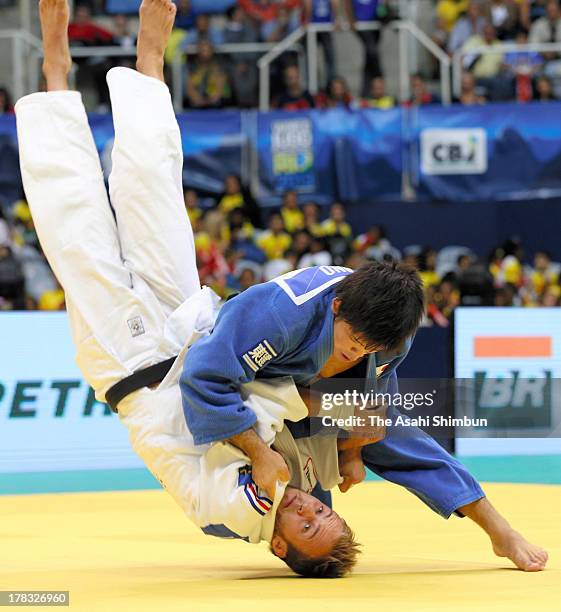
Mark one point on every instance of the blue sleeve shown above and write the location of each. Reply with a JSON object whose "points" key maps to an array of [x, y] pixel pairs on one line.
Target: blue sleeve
{"points": [[248, 335]]}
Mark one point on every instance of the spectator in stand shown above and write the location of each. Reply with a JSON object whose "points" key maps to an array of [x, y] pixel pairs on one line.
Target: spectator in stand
{"points": [[427, 267], [488, 68], [194, 211], [239, 226], [366, 10], [504, 15], [24, 229], [534, 8], [504, 296], [484, 66], [447, 297], [377, 97], [523, 66], [292, 216], [506, 264], [336, 225], [338, 234], [337, 95], [241, 233], [420, 95], [543, 274], [547, 28], [12, 280], [274, 241], [449, 11], [463, 263], [544, 90], [294, 97], [203, 30], [52, 300], [447, 14], [469, 95], [274, 20], [210, 245], [123, 37], [247, 279], [318, 255], [207, 81], [323, 12], [372, 244], [467, 26], [243, 66], [83, 32], [311, 218], [551, 297], [184, 17], [301, 242], [6, 106], [236, 196]]}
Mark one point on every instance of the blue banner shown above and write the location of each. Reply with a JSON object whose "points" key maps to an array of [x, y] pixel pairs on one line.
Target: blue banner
{"points": [[495, 152], [328, 155], [501, 151]]}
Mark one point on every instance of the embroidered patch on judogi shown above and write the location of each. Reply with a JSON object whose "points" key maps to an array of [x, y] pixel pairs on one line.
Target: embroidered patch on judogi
{"points": [[257, 357], [259, 503], [136, 326]]}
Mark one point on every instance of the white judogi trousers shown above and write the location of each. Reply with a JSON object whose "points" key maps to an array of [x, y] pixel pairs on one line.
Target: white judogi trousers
{"points": [[132, 289]]}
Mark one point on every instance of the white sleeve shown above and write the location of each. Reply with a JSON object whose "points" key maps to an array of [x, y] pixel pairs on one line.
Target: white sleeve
{"points": [[229, 497], [273, 401]]}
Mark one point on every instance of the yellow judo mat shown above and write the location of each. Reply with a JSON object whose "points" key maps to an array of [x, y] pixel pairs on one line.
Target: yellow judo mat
{"points": [[134, 551]]}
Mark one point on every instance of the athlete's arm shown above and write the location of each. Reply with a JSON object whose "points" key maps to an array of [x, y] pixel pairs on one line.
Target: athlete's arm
{"points": [[268, 467], [247, 336]]}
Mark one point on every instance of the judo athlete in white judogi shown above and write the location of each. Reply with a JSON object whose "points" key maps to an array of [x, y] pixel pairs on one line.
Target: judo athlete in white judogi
{"points": [[131, 283], [134, 303]]}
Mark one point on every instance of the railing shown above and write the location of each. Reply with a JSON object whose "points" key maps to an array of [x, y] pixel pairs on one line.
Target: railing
{"points": [[404, 28], [178, 84], [501, 49], [26, 78], [25, 47]]}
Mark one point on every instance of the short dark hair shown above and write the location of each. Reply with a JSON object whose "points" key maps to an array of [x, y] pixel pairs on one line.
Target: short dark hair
{"points": [[383, 302], [340, 560]]}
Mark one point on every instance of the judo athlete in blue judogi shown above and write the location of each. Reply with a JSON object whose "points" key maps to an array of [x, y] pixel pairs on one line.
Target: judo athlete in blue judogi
{"points": [[317, 323]]}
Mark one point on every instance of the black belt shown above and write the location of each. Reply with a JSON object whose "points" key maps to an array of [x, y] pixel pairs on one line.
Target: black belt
{"points": [[141, 378]]}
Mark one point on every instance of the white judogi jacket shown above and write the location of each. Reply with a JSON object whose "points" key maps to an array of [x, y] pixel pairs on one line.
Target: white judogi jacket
{"points": [[212, 482]]}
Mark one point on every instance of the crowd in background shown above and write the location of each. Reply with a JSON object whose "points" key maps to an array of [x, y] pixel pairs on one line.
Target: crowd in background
{"points": [[239, 245], [217, 80]]}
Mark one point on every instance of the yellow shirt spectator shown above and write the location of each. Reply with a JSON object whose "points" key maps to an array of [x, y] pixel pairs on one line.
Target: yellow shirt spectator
{"points": [[330, 228], [293, 219], [429, 278], [194, 215], [383, 103], [230, 202], [274, 245], [448, 11]]}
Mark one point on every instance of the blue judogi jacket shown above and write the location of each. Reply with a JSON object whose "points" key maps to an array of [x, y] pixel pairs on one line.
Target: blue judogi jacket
{"points": [[280, 328]]}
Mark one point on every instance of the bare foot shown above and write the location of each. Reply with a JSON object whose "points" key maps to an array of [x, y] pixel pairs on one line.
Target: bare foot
{"points": [[156, 23], [524, 555], [54, 16]]}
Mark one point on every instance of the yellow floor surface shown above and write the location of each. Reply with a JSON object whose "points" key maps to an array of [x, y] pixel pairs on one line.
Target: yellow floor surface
{"points": [[134, 551]]}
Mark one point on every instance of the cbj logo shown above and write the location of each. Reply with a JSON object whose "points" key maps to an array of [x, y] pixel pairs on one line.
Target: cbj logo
{"points": [[455, 152]]}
